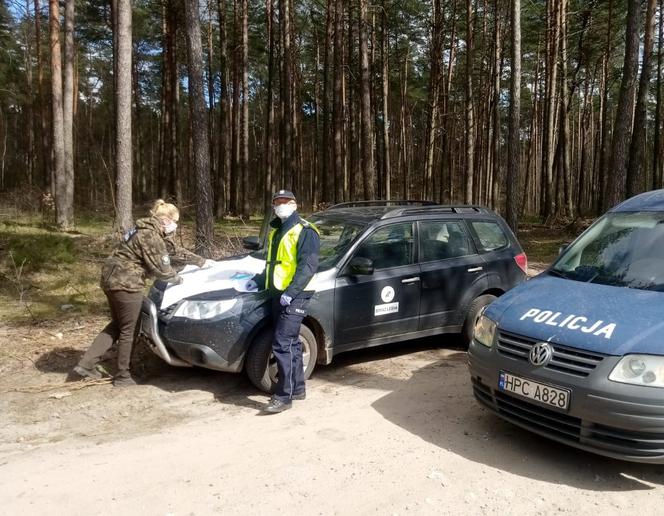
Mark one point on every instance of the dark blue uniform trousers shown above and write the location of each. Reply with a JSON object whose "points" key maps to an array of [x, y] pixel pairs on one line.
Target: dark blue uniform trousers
{"points": [[287, 348]]}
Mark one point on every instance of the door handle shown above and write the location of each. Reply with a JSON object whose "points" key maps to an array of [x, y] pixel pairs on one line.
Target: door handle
{"points": [[411, 280], [475, 269]]}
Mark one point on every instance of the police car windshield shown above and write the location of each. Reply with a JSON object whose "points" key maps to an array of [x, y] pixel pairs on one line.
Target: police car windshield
{"points": [[335, 238], [621, 249]]}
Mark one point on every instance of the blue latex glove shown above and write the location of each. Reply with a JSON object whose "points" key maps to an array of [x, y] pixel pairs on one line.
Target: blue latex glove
{"points": [[285, 300]]}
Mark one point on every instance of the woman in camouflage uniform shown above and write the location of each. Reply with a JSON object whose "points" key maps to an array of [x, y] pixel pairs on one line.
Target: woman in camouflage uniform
{"points": [[144, 253]]}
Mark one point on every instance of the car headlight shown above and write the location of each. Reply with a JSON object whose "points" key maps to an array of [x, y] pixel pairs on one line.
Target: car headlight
{"points": [[645, 370], [204, 309], [485, 330]]}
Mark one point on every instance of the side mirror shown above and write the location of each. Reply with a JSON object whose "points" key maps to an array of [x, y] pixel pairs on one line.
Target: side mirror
{"points": [[361, 266], [252, 243], [563, 248]]}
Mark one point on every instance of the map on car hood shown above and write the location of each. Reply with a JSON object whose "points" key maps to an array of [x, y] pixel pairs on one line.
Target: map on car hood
{"points": [[220, 276]]}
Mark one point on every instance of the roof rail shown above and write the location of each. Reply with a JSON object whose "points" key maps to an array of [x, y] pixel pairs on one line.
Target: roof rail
{"points": [[391, 202], [456, 208]]}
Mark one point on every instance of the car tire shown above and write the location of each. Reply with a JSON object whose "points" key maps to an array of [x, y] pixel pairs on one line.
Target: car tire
{"points": [[474, 311], [261, 366]]}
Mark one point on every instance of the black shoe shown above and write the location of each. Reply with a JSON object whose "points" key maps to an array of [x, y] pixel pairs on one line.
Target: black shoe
{"points": [[276, 405], [124, 381], [299, 397]]}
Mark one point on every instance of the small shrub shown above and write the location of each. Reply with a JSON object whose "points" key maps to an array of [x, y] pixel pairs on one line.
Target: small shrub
{"points": [[39, 251]]}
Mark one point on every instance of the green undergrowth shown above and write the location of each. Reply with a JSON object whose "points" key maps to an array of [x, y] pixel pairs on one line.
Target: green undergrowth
{"points": [[542, 244], [50, 275]]}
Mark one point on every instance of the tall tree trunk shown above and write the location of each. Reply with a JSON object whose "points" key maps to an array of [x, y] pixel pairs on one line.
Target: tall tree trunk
{"points": [[338, 108], [549, 136], [495, 144], [123, 138], [368, 171], [58, 143], [269, 111], [384, 57], [657, 140], [44, 154], [224, 167], [286, 96], [211, 99], [605, 151], [234, 184], [434, 89], [636, 180], [622, 130], [29, 107], [199, 119], [244, 131], [403, 156], [565, 99], [68, 118], [470, 104], [514, 188]]}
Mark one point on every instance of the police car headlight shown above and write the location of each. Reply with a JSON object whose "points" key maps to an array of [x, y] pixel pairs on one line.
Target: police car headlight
{"points": [[484, 332], [645, 370], [204, 309]]}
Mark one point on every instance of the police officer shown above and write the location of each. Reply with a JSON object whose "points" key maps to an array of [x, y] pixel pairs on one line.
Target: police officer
{"points": [[143, 254], [292, 260]]}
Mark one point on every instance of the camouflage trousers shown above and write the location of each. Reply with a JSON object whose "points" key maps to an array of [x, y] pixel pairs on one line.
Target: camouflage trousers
{"points": [[125, 310]]}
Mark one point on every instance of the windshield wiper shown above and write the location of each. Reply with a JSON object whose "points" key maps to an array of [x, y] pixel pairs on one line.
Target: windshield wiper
{"points": [[560, 274]]}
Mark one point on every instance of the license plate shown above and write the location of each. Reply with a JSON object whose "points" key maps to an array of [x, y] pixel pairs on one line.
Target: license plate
{"points": [[545, 394]]}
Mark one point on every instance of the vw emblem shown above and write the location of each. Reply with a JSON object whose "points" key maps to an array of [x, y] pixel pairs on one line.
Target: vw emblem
{"points": [[541, 354]]}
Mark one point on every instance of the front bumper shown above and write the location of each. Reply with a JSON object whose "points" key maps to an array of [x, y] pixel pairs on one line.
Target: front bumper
{"points": [[604, 417], [148, 330], [216, 344]]}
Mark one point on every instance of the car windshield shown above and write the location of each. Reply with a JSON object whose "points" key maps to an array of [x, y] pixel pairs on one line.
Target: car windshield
{"points": [[335, 238], [621, 249]]}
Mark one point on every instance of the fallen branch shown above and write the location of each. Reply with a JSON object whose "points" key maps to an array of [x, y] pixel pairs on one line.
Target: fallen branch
{"points": [[72, 387]]}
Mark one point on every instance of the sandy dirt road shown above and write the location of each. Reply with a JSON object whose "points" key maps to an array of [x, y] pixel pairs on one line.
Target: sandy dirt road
{"points": [[393, 430]]}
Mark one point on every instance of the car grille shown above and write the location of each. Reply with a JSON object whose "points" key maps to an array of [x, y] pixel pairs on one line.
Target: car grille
{"points": [[565, 360], [568, 429]]}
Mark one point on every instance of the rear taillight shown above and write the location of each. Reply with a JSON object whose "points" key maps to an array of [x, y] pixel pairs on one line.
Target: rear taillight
{"points": [[522, 261]]}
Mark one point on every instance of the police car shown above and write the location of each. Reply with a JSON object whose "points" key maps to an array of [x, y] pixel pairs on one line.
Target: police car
{"points": [[577, 353], [388, 271]]}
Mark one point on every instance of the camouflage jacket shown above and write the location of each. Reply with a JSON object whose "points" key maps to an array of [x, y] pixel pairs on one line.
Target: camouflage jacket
{"points": [[181, 256], [143, 254]]}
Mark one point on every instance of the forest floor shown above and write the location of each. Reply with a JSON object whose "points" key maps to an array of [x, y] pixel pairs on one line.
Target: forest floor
{"points": [[392, 430]]}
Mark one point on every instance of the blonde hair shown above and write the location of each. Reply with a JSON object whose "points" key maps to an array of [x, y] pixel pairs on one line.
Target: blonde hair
{"points": [[163, 209]]}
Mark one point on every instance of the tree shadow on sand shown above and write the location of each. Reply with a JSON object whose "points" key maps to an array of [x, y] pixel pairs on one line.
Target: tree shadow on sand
{"points": [[448, 416]]}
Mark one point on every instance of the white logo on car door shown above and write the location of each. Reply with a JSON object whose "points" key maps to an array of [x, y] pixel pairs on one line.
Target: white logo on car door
{"points": [[387, 294]]}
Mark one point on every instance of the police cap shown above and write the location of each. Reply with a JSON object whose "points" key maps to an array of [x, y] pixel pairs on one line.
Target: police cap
{"points": [[283, 194]]}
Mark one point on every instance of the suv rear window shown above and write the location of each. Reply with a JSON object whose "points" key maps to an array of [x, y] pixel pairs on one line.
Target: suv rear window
{"points": [[490, 235], [440, 240]]}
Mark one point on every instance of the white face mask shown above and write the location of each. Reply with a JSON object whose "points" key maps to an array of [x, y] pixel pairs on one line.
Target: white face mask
{"points": [[283, 211], [170, 228]]}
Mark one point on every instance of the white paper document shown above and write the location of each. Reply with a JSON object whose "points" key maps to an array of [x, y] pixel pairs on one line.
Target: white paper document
{"points": [[222, 275]]}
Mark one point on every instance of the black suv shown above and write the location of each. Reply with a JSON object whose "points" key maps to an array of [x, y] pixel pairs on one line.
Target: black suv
{"points": [[389, 271]]}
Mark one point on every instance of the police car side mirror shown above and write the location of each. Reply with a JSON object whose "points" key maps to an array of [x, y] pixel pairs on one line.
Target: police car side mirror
{"points": [[251, 242], [361, 266]]}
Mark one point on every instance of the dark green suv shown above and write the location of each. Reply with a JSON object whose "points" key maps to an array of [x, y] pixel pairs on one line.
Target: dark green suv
{"points": [[389, 271]]}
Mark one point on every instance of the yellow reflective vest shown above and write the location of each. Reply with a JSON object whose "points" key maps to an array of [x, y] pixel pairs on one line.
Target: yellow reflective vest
{"points": [[279, 273]]}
